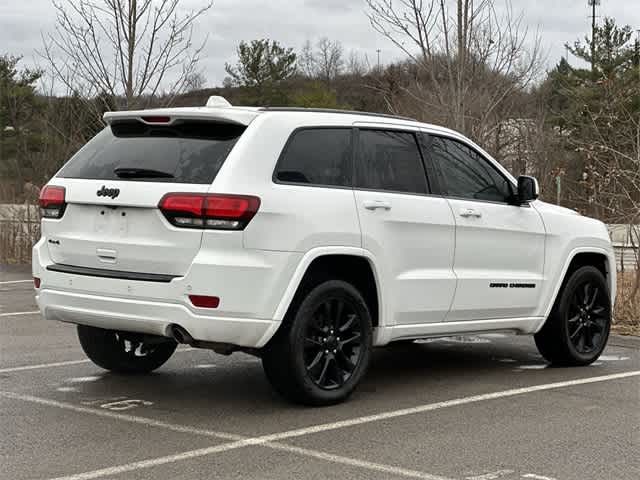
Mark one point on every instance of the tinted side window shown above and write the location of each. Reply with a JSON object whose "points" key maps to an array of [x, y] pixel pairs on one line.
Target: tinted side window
{"points": [[389, 160], [319, 156], [466, 174]]}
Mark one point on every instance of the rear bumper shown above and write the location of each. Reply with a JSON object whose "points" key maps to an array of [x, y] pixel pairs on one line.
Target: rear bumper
{"points": [[249, 283], [151, 317]]}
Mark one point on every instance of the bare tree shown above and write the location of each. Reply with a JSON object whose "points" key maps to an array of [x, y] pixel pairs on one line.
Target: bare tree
{"points": [[470, 58], [195, 81], [126, 50], [307, 60], [357, 65], [328, 59]]}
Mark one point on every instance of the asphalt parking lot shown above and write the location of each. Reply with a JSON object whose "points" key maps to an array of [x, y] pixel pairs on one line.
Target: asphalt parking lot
{"points": [[464, 408]]}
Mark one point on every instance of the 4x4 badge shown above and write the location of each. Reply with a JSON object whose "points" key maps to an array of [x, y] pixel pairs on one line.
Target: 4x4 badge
{"points": [[108, 192]]}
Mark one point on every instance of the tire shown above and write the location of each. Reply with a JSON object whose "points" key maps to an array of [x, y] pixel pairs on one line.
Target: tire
{"points": [[308, 361], [577, 329], [125, 352]]}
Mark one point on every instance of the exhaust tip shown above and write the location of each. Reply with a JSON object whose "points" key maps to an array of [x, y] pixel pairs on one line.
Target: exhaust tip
{"points": [[179, 334]]}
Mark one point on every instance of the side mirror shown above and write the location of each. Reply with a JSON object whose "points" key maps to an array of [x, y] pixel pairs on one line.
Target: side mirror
{"points": [[528, 189]]}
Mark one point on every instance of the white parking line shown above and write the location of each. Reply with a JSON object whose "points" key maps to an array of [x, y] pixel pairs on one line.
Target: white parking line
{"points": [[16, 314], [236, 441], [70, 362], [16, 281], [269, 440], [448, 403], [201, 452], [42, 365]]}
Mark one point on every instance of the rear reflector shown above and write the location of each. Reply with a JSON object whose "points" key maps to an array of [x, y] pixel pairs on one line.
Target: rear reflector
{"points": [[52, 201], [204, 301], [210, 211], [36, 282]]}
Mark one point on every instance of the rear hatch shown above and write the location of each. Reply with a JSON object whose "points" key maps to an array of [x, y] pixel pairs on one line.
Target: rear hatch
{"points": [[113, 186]]}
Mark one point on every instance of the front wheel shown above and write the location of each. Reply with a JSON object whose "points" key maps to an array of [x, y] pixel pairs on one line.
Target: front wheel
{"points": [[577, 329], [125, 352], [322, 351]]}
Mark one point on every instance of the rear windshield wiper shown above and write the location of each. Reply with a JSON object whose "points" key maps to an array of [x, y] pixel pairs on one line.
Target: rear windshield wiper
{"points": [[133, 172]]}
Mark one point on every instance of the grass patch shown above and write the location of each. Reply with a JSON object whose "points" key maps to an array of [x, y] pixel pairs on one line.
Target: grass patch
{"points": [[627, 310]]}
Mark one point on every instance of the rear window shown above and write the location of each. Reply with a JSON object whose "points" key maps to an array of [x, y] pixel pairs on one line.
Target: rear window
{"points": [[317, 156], [188, 152]]}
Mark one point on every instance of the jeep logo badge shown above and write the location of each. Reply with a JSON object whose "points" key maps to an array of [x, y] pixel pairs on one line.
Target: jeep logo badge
{"points": [[108, 192]]}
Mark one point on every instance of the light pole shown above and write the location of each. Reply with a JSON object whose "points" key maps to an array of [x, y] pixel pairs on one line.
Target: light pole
{"points": [[593, 4]]}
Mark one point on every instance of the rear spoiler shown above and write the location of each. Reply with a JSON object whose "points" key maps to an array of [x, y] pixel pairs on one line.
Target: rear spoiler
{"points": [[167, 116]]}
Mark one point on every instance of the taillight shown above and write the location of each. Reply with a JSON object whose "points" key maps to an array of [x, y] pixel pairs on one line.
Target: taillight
{"points": [[52, 201], [211, 211]]}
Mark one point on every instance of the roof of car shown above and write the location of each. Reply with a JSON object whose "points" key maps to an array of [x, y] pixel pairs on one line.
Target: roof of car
{"points": [[244, 115]]}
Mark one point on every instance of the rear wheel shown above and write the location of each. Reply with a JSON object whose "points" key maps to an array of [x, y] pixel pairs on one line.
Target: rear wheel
{"points": [[125, 352], [577, 330], [322, 351]]}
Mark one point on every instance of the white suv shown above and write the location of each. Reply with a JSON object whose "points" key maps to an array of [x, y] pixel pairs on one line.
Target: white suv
{"points": [[307, 237]]}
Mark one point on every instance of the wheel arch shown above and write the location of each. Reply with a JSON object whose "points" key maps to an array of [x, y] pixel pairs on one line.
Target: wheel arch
{"points": [[598, 257], [355, 265]]}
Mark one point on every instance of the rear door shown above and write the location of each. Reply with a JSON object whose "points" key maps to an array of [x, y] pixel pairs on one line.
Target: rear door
{"points": [[410, 231], [499, 246], [114, 184]]}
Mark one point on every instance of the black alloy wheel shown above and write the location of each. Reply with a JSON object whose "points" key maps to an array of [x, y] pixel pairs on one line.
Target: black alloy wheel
{"points": [[587, 318], [332, 343]]}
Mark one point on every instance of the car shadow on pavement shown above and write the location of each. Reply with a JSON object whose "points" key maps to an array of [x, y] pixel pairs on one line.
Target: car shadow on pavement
{"points": [[237, 383]]}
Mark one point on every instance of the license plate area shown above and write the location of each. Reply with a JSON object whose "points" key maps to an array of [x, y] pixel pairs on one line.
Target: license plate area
{"points": [[112, 221]]}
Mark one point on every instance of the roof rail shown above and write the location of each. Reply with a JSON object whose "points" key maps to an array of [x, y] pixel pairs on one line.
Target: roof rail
{"points": [[335, 110]]}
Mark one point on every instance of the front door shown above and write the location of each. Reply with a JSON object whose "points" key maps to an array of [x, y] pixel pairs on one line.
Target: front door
{"points": [[499, 247]]}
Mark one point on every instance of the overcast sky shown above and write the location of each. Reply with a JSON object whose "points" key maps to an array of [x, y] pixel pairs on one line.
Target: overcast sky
{"points": [[292, 22]]}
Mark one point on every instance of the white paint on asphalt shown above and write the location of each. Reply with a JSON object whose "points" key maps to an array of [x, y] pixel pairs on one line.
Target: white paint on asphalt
{"points": [[127, 404], [9, 282], [535, 476], [191, 454], [538, 366], [269, 440], [491, 475], [447, 403], [42, 365], [236, 441], [66, 389], [17, 314], [70, 362], [613, 358], [118, 416], [153, 462], [92, 378], [389, 469]]}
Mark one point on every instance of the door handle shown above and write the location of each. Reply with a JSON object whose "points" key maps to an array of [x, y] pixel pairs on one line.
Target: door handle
{"points": [[470, 212], [376, 204]]}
